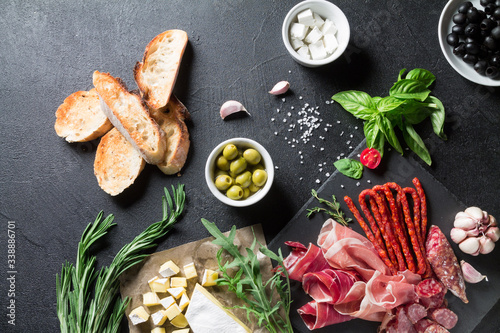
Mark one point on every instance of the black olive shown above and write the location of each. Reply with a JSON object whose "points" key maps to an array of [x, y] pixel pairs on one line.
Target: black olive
{"points": [[497, 3], [464, 7], [495, 60], [490, 43], [490, 8], [496, 13], [470, 58], [472, 48], [480, 66], [484, 2], [487, 24], [459, 18], [473, 15], [452, 39], [495, 33], [459, 50], [492, 72], [484, 52], [458, 29], [472, 30]]}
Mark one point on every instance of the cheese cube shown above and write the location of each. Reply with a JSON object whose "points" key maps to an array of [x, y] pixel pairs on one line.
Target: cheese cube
{"points": [[303, 51], [318, 20], [331, 43], [190, 271], [317, 50], [150, 299], [159, 330], [306, 17], [173, 311], [138, 315], [313, 36], [159, 317], [176, 282], [184, 302], [159, 285], [169, 269], [167, 302], [296, 43], [329, 28], [209, 278], [176, 292], [179, 321], [298, 30], [184, 330]]}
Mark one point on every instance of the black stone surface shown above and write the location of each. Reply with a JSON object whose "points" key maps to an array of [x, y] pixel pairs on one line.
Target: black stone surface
{"points": [[49, 50]]}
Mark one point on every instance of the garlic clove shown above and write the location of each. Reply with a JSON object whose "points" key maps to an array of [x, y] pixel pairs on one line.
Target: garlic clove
{"points": [[471, 275], [473, 232], [231, 107], [470, 246], [492, 221], [475, 212], [461, 214], [493, 233], [486, 245], [280, 88], [465, 223], [457, 235]]}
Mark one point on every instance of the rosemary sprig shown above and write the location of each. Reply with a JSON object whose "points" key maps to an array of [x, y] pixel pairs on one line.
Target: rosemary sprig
{"points": [[333, 209], [76, 311], [247, 283]]}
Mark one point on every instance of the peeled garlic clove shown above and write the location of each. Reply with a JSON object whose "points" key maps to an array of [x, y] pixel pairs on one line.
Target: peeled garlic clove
{"points": [[466, 223], [475, 212], [231, 107], [457, 235], [486, 245], [471, 275], [470, 246], [493, 233], [280, 88]]}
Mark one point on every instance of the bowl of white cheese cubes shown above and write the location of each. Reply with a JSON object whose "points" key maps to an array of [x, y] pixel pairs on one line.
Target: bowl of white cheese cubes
{"points": [[315, 32]]}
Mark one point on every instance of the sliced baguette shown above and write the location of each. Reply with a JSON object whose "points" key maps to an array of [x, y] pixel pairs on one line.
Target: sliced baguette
{"points": [[172, 121], [80, 118], [157, 73], [117, 163], [131, 117]]}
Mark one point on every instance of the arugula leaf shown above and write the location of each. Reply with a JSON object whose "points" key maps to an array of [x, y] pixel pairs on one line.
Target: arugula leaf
{"points": [[421, 75], [437, 117], [409, 89], [349, 167], [415, 142], [387, 128], [358, 103]]}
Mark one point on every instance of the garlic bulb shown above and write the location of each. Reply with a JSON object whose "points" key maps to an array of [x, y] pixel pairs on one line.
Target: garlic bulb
{"points": [[475, 231]]}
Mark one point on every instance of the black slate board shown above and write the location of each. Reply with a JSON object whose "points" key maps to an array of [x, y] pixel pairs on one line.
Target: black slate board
{"points": [[442, 207]]}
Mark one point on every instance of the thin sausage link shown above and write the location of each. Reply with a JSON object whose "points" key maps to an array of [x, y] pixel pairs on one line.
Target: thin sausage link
{"points": [[375, 229], [410, 263], [411, 228], [369, 234], [423, 207], [391, 239]]}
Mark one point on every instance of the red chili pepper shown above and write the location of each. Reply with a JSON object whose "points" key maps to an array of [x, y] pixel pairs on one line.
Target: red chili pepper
{"points": [[370, 157]]}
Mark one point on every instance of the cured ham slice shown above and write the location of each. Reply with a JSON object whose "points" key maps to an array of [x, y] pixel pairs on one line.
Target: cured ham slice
{"points": [[302, 260], [318, 314], [328, 285]]}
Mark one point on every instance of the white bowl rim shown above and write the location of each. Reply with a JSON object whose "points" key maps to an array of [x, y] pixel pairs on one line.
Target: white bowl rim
{"points": [[444, 27], [286, 40], [209, 167]]}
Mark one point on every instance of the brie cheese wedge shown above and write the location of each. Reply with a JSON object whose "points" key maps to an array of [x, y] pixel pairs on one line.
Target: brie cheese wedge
{"points": [[138, 315], [205, 314]]}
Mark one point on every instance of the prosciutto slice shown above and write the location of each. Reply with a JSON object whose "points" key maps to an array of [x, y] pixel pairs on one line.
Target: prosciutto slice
{"points": [[328, 285], [319, 314], [302, 260]]}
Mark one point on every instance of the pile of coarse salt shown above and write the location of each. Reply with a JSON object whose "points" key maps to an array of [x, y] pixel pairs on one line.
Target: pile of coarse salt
{"points": [[312, 37]]}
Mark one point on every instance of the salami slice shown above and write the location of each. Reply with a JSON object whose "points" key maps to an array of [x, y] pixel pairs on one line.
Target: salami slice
{"points": [[415, 312], [445, 317], [422, 325], [431, 293], [403, 323], [436, 328]]}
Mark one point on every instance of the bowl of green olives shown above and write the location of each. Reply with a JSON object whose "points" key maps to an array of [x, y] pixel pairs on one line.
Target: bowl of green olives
{"points": [[239, 172]]}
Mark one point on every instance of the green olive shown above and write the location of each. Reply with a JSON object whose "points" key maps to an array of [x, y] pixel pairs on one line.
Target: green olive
{"points": [[238, 166], [235, 192], [222, 163], [230, 151], [252, 156], [219, 172], [259, 177], [253, 188], [244, 179], [246, 193], [258, 167], [223, 182]]}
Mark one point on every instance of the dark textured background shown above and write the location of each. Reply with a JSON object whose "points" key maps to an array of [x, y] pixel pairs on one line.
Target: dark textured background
{"points": [[49, 50]]}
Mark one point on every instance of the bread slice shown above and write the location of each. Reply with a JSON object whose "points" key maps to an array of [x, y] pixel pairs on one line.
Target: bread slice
{"points": [[157, 73], [172, 121], [117, 163], [80, 118], [131, 117]]}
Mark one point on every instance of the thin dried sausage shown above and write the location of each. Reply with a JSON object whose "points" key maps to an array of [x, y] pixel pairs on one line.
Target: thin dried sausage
{"points": [[423, 207]]}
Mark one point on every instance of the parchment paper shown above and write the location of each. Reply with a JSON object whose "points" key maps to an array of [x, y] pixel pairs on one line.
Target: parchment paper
{"points": [[134, 282]]}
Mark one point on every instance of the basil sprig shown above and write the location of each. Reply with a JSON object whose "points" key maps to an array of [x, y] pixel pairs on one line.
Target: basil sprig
{"points": [[349, 167], [409, 103]]}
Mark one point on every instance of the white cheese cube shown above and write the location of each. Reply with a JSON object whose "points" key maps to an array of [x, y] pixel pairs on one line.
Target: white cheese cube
{"points": [[159, 285], [178, 281], [296, 43], [331, 43], [184, 302], [298, 30], [150, 299], [329, 28], [179, 321], [159, 317], [173, 311], [184, 330], [306, 17], [169, 269], [190, 271], [317, 50], [167, 302], [313, 36], [138, 315], [159, 330], [176, 292], [209, 278], [318, 20], [303, 51]]}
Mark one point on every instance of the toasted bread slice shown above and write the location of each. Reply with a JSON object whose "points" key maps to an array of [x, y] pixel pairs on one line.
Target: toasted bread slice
{"points": [[172, 121], [157, 73], [117, 163], [80, 118], [131, 117]]}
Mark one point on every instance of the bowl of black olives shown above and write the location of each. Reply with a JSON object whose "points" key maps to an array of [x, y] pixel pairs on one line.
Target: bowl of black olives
{"points": [[239, 172], [469, 36]]}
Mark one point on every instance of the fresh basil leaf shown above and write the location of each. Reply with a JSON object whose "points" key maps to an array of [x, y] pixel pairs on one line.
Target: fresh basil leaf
{"points": [[388, 129], [389, 103], [421, 75], [415, 142], [376, 99], [401, 72], [358, 103], [415, 112], [409, 89], [437, 117], [349, 167]]}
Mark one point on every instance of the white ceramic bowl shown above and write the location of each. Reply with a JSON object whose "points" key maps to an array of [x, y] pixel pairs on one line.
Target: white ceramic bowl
{"points": [[266, 161], [444, 28], [325, 9]]}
